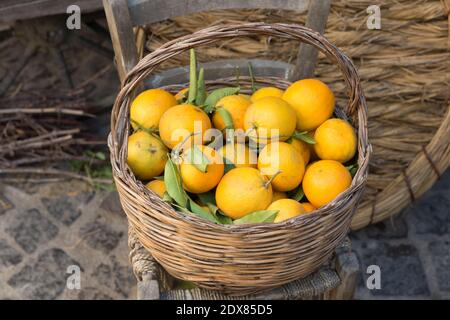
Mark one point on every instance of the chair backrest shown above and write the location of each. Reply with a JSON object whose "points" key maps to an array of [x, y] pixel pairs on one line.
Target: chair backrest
{"points": [[124, 15]]}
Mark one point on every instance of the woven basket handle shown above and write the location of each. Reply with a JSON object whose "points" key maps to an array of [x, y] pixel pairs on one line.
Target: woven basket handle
{"points": [[119, 119]]}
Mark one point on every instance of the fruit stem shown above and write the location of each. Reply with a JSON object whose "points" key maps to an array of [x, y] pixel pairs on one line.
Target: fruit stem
{"points": [[267, 184]]}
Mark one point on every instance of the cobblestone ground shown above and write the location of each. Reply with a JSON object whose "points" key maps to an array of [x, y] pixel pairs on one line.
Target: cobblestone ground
{"points": [[412, 249], [45, 229]]}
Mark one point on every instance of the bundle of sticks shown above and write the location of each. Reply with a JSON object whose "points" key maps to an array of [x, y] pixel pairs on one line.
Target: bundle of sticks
{"points": [[42, 132]]}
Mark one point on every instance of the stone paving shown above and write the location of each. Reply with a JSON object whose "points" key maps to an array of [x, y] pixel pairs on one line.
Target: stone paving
{"points": [[412, 249], [47, 228]]}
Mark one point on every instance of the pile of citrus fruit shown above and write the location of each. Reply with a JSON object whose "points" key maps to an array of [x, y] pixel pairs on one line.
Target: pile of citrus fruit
{"points": [[233, 158]]}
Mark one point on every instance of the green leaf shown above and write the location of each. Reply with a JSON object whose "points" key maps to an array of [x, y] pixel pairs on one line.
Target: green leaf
{"points": [[197, 158], [167, 198], [192, 94], [201, 90], [227, 166], [173, 183], [159, 178], [207, 197], [304, 136], [226, 117], [220, 216], [199, 211], [100, 155], [104, 171], [223, 218], [258, 217], [298, 194], [216, 95], [352, 168], [213, 208]]}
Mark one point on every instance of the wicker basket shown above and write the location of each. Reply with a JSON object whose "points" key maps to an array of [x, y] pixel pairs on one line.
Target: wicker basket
{"points": [[236, 259]]}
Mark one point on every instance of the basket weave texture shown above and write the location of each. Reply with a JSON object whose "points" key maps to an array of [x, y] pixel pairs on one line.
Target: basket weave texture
{"points": [[404, 69], [236, 259]]}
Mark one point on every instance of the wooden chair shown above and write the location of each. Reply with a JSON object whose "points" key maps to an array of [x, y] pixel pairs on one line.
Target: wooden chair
{"points": [[338, 279], [124, 15]]}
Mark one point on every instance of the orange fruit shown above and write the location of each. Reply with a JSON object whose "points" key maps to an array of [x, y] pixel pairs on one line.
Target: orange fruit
{"points": [[180, 95], [242, 191], [148, 107], [277, 195], [324, 180], [287, 208], [283, 157], [182, 121], [335, 140], [308, 207], [303, 148], [236, 105], [157, 186], [147, 155], [196, 181], [266, 92], [313, 102], [267, 114], [239, 154]]}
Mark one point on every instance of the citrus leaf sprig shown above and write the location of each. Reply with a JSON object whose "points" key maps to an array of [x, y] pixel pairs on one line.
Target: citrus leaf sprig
{"points": [[201, 90], [216, 95], [304, 136], [173, 183], [198, 210], [352, 169], [258, 217], [226, 117], [197, 158], [192, 93], [297, 194]]}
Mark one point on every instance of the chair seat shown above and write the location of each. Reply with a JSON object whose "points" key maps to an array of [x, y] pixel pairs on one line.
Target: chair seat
{"points": [[223, 69], [339, 274]]}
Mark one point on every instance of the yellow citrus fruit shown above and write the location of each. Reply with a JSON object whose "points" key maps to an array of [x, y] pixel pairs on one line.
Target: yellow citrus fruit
{"points": [[147, 155], [287, 208], [157, 186], [180, 121], [308, 207], [335, 140], [283, 157], [313, 102], [324, 180], [270, 113], [277, 195], [266, 92], [239, 154], [242, 191], [181, 94], [148, 107], [236, 105], [196, 181], [303, 148]]}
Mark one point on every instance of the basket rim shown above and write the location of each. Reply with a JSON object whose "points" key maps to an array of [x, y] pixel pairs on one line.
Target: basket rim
{"points": [[120, 118]]}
